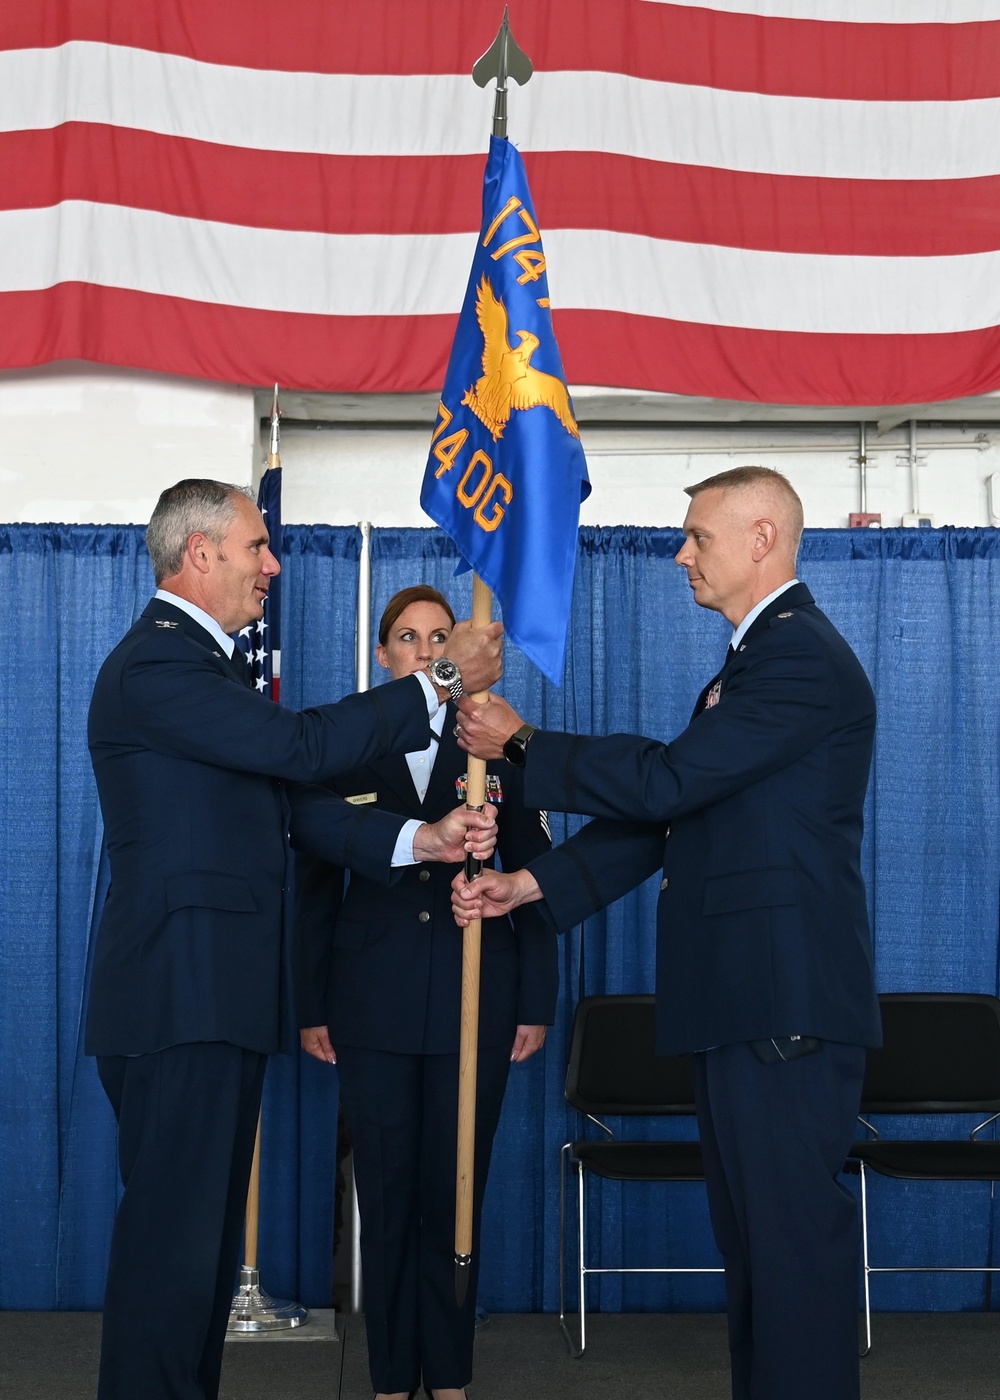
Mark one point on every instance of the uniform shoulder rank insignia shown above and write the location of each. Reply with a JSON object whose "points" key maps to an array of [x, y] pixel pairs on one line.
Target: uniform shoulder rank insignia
{"points": [[712, 698], [165, 622], [494, 792]]}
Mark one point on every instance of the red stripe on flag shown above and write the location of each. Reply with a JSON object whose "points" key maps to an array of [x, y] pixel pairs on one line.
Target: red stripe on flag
{"points": [[668, 43], [236, 185], [433, 195], [783, 213], [777, 367], [384, 354], [339, 354]]}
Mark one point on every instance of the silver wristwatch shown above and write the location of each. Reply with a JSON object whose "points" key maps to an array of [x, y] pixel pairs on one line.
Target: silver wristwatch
{"points": [[444, 672]]}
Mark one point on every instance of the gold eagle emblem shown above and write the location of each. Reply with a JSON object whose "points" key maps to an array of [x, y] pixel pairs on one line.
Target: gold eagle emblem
{"points": [[508, 380]]}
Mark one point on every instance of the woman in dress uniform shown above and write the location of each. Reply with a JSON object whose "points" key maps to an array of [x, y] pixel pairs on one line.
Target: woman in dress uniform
{"points": [[378, 978]]}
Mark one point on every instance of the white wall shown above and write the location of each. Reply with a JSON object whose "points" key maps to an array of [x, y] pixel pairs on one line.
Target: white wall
{"points": [[85, 443], [343, 474]]}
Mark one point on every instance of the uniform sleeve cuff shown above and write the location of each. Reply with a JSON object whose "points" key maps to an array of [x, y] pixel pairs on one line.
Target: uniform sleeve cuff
{"points": [[403, 851]]}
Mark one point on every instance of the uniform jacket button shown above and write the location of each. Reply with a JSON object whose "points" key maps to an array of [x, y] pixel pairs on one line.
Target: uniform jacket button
{"points": [[664, 883], [424, 875], [423, 916]]}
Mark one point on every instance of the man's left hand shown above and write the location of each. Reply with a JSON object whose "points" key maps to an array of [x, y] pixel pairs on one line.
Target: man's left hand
{"points": [[463, 831], [483, 730], [491, 895]]}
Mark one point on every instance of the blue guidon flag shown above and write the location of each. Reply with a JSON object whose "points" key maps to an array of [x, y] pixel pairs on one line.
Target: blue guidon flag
{"points": [[506, 471]]}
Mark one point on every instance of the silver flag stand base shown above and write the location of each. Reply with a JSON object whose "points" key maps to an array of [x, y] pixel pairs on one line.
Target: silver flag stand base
{"points": [[254, 1311]]}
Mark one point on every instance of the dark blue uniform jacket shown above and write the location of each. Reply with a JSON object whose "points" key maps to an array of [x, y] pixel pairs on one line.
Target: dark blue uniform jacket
{"points": [[382, 967], [188, 762], [753, 816]]}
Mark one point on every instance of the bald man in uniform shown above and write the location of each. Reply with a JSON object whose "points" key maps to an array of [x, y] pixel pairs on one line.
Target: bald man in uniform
{"points": [[753, 817]]}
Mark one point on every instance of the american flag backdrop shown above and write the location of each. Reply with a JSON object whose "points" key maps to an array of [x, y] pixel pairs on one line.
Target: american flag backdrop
{"points": [[790, 201]]}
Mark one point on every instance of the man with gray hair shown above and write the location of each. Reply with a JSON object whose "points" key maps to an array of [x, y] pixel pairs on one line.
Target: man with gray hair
{"points": [[753, 818], [190, 990]]}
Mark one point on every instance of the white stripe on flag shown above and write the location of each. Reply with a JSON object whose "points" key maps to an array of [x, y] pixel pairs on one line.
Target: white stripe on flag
{"points": [[395, 275], [352, 114]]}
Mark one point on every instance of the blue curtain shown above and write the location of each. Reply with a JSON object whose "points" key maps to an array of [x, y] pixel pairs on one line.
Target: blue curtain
{"points": [[319, 600], [921, 610], [73, 591], [918, 606]]}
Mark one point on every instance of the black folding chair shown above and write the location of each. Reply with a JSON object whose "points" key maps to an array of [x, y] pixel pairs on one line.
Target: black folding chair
{"points": [[941, 1054], [614, 1069]]}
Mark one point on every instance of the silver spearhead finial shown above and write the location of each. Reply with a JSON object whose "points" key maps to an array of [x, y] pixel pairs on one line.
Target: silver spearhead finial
{"points": [[502, 60]]}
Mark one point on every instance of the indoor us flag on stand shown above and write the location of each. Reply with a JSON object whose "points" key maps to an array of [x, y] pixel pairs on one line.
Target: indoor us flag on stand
{"points": [[260, 642], [506, 471]]}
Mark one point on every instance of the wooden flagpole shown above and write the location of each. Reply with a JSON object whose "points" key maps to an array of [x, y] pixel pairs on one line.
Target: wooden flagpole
{"points": [[468, 1051], [253, 1205], [501, 60]]}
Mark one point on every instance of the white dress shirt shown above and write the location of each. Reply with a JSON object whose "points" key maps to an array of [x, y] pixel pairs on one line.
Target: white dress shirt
{"points": [[420, 764]]}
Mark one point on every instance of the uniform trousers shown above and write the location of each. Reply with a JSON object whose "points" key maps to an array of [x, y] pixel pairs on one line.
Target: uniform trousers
{"points": [[187, 1119], [401, 1113], [774, 1138]]}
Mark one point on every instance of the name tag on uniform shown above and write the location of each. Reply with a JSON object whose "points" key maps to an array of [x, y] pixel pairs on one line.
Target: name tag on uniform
{"points": [[361, 798]]}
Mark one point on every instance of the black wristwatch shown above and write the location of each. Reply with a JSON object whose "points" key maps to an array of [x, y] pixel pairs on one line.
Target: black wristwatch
{"points": [[443, 671], [516, 748]]}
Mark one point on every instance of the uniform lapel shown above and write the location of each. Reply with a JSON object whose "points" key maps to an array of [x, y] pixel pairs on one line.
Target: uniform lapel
{"points": [[788, 601], [164, 615], [393, 772], [448, 765], [794, 597]]}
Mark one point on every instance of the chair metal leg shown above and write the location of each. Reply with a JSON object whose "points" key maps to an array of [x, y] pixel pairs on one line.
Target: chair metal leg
{"points": [[562, 1232], [575, 1350], [582, 1270], [870, 1268], [577, 1345], [864, 1246]]}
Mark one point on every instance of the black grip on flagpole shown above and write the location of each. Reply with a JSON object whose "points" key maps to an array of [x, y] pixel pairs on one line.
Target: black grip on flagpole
{"points": [[473, 867], [462, 1262]]}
